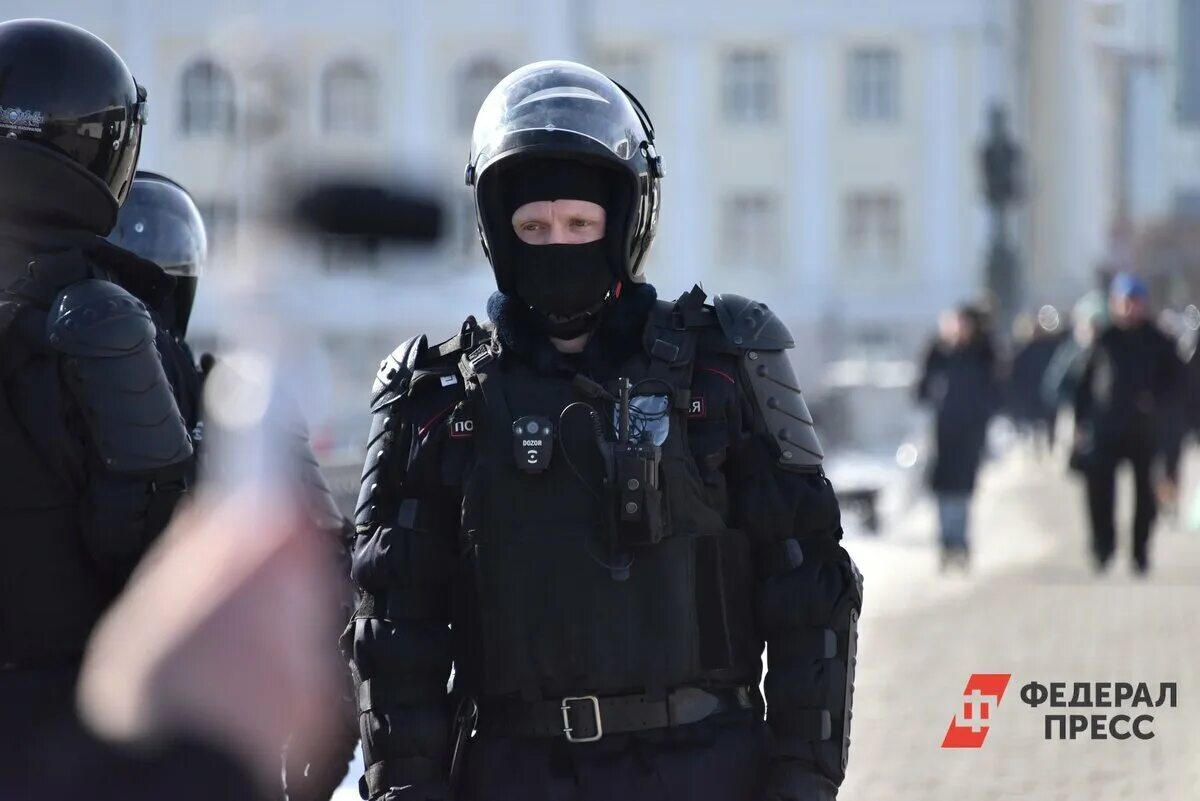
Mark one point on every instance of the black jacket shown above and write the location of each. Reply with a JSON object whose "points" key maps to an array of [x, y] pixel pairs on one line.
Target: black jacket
{"points": [[94, 517], [959, 384], [1025, 398], [1129, 378], [406, 656]]}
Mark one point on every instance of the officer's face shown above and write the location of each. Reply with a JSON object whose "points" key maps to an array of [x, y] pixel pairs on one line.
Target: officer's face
{"points": [[559, 222]]}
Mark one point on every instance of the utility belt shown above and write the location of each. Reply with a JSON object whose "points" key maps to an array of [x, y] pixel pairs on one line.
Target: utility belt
{"points": [[588, 718]]}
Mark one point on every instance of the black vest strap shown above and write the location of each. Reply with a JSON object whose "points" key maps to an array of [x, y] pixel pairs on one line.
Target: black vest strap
{"points": [[478, 379], [471, 337], [670, 341]]}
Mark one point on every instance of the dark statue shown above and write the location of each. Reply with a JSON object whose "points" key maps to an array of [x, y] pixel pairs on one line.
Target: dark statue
{"points": [[1001, 162]]}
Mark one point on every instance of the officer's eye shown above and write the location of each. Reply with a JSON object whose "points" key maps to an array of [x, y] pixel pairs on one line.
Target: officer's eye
{"points": [[532, 225], [581, 222]]}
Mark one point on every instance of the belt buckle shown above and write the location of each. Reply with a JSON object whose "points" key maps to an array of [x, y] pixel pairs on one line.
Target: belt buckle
{"points": [[566, 715]]}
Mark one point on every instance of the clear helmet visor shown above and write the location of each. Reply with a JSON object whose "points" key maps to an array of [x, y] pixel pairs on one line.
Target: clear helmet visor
{"points": [[557, 97], [161, 224]]}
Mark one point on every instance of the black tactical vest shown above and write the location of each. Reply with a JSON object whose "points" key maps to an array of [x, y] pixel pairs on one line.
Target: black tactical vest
{"points": [[40, 623], [561, 604]]}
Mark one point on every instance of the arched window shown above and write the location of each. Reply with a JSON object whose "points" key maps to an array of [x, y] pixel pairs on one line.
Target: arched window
{"points": [[207, 99], [478, 77], [349, 98]]}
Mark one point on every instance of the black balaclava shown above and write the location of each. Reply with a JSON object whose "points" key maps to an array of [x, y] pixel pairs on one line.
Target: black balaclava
{"points": [[566, 286]]}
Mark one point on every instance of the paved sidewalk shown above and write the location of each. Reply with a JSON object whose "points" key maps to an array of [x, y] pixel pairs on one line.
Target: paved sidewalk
{"points": [[1033, 608]]}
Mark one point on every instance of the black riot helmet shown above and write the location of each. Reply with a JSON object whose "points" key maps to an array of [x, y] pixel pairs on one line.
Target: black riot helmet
{"points": [[160, 223], [66, 95], [564, 110]]}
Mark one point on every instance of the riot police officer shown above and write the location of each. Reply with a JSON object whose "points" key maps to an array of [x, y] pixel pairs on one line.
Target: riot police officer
{"points": [[163, 231], [597, 507], [162, 234], [93, 450]]}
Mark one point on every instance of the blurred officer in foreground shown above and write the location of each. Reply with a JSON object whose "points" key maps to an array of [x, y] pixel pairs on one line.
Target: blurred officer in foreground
{"points": [[959, 384], [202, 666], [161, 225], [1129, 376], [93, 451], [615, 501]]}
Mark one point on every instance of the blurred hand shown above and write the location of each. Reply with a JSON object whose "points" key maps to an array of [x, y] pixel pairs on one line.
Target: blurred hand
{"points": [[222, 635]]}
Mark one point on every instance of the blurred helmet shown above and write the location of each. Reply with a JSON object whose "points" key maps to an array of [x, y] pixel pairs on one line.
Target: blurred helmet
{"points": [[160, 223], [65, 90], [564, 110]]}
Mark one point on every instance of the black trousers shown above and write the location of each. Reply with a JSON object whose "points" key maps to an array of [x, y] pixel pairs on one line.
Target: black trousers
{"points": [[1101, 494], [720, 763]]}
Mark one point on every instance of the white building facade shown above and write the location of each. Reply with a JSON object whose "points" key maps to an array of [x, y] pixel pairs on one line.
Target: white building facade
{"points": [[821, 156]]}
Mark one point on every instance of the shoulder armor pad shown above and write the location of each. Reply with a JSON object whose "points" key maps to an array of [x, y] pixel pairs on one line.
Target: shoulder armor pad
{"points": [[750, 324], [779, 400], [396, 372], [98, 319], [116, 374]]}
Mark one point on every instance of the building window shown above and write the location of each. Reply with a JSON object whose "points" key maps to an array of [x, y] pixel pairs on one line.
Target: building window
{"points": [[750, 87], [350, 254], [629, 67], [871, 232], [1187, 72], [750, 234], [873, 85], [349, 99], [208, 102], [477, 78], [220, 224]]}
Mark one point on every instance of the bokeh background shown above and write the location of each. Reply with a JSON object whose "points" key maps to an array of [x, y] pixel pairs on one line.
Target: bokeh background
{"points": [[823, 156]]}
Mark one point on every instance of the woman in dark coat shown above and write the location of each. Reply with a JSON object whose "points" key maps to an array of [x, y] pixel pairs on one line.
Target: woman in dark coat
{"points": [[959, 384]]}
